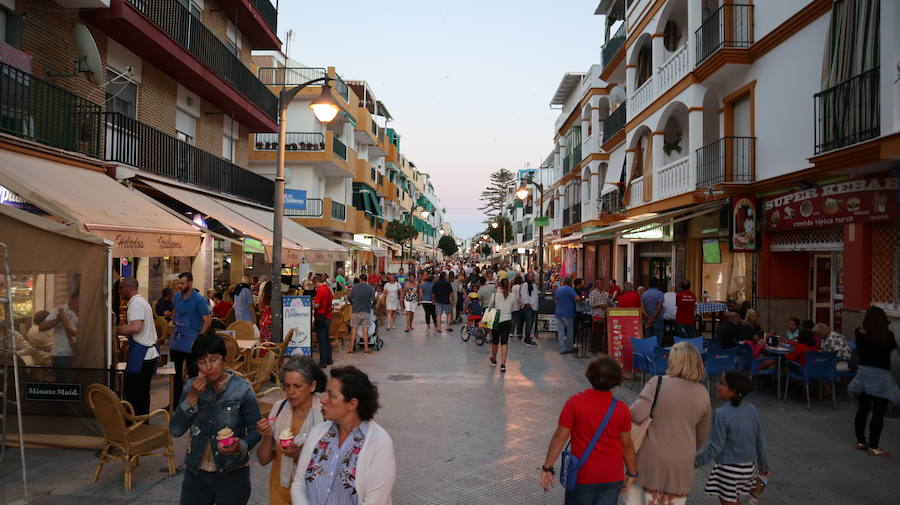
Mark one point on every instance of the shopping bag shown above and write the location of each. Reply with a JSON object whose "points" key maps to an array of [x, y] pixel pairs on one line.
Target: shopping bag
{"points": [[489, 320]]}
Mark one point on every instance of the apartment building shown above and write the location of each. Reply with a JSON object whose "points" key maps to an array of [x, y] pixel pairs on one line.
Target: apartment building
{"points": [[160, 96], [743, 147]]}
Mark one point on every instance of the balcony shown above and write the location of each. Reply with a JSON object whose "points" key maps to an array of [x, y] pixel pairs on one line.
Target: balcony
{"points": [[614, 123], [567, 217], [636, 193], [33, 109], [333, 217], [849, 112], [313, 208], [322, 150], [673, 179], [256, 19], [576, 213], [676, 66], [165, 33], [338, 211], [363, 172], [133, 143], [730, 27], [289, 76], [613, 45], [610, 203], [725, 161]]}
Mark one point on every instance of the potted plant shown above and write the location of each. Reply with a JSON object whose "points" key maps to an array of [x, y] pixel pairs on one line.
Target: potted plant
{"points": [[673, 145], [259, 146]]}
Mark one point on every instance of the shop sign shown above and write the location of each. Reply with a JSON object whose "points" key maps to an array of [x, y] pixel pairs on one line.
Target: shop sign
{"points": [[52, 392], [742, 231], [297, 323], [295, 199], [853, 201], [622, 325], [251, 245], [542, 221]]}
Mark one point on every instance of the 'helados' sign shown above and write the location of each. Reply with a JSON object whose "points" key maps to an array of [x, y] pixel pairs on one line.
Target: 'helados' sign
{"points": [[854, 201]]}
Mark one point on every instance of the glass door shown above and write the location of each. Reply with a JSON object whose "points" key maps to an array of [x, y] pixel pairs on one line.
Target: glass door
{"points": [[822, 308]]}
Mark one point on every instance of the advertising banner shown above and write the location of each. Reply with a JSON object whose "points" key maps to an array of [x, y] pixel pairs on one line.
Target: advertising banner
{"points": [[295, 199], [297, 325], [621, 326], [854, 201], [743, 225]]}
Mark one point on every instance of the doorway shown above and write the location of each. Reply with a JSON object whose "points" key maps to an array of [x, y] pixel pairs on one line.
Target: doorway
{"points": [[658, 268], [826, 295]]}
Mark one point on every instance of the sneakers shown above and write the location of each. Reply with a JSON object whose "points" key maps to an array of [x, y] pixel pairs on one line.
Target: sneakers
{"points": [[529, 342], [493, 361], [502, 368]]}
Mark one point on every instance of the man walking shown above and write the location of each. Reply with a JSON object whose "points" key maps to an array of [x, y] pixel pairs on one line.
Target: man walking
{"points": [[191, 319], [685, 309], [142, 351], [322, 305], [362, 299], [599, 301], [243, 299], [442, 291], [565, 297], [653, 302]]}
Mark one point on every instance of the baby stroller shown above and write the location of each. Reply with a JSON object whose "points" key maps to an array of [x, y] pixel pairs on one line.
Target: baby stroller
{"points": [[375, 341]]}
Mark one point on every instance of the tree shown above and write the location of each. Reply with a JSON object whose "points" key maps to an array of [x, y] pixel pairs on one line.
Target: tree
{"points": [[497, 233], [486, 250], [493, 198], [447, 244], [401, 232]]}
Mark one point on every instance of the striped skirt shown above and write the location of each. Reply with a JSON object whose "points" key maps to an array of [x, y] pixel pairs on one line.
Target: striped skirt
{"points": [[730, 481]]}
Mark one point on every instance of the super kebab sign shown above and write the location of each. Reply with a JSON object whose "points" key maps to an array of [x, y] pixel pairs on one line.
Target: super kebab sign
{"points": [[854, 201]]}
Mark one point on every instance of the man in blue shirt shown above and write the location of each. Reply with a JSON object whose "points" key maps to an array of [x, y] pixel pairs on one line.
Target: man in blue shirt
{"points": [[191, 319], [565, 298], [243, 301], [653, 301]]}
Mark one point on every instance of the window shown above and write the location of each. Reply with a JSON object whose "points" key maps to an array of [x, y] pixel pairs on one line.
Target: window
{"points": [[185, 126], [11, 27], [230, 138], [121, 95], [233, 41]]}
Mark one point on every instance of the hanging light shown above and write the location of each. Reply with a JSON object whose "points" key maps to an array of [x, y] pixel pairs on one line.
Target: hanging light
{"points": [[495, 224], [522, 192], [325, 107]]}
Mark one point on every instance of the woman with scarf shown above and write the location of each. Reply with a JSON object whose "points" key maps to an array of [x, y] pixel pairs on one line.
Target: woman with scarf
{"points": [[284, 434]]}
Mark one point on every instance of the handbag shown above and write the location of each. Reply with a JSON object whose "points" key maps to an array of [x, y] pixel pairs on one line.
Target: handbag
{"points": [[569, 465], [638, 431], [490, 318]]}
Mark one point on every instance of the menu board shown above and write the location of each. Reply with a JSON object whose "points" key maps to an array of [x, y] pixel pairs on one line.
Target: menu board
{"points": [[297, 323], [621, 326]]}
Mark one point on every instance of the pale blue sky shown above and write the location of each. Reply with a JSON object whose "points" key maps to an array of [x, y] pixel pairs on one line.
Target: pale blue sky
{"points": [[468, 82]]}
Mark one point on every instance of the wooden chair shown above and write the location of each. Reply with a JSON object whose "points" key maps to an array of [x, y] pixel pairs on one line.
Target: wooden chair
{"points": [[262, 374], [340, 326], [230, 317], [243, 330], [132, 442], [235, 360]]}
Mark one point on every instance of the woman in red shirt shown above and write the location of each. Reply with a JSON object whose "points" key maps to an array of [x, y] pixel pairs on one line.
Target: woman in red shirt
{"points": [[602, 478], [222, 307], [805, 343]]}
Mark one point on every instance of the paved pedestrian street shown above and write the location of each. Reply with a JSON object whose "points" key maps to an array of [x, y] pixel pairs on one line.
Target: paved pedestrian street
{"points": [[466, 434]]}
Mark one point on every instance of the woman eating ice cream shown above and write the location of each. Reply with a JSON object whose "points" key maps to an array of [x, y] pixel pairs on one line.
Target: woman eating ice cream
{"points": [[284, 433], [221, 412]]}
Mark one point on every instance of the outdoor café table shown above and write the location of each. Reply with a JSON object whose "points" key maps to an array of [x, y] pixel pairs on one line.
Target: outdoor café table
{"points": [[709, 308], [168, 371], [779, 352]]}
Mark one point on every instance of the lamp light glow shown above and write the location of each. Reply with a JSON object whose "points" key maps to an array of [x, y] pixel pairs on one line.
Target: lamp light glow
{"points": [[325, 107], [522, 192], [495, 224]]}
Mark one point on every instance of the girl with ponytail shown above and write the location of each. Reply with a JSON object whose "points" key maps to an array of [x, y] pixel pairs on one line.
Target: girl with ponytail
{"points": [[736, 443]]}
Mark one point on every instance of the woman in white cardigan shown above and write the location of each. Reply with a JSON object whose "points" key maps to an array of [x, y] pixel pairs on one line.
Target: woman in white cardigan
{"points": [[349, 458], [505, 302]]}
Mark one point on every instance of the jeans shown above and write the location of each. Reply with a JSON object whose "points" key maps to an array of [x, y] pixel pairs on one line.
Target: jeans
{"points": [[565, 333], [137, 387], [208, 488], [686, 330], [879, 407], [517, 322], [604, 493], [657, 329], [528, 316], [322, 327], [180, 359]]}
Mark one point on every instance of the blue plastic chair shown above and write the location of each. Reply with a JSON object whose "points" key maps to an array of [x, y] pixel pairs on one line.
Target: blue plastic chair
{"points": [[696, 342], [819, 365], [719, 361], [745, 358], [642, 356], [660, 360]]}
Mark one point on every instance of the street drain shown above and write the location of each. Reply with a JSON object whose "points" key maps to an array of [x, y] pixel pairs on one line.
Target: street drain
{"points": [[400, 378]]}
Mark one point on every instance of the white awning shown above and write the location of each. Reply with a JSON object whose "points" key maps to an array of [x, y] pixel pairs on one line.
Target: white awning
{"points": [[376, 250], [390, 245], [568, 238], [613, 171], [100, 205]]}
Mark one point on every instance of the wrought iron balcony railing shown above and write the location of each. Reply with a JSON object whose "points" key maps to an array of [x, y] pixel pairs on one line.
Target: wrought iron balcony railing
{"points": [[731, 26], [614, 123], [268, 12], [339, 148], [289, 76], [613, 45], [293, 141], [727, 160], [338, 211], [849, 112]]}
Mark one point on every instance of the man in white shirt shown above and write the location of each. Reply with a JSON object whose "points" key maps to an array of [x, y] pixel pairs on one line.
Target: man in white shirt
{"points": [[669, 309], [63, 320], [142, 352]]}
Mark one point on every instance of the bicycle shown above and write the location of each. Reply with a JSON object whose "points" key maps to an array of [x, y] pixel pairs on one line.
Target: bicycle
{"points": [[475, 332]]}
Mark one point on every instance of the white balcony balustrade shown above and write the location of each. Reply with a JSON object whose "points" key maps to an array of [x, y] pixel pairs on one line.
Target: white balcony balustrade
{"points": [[673, 179]]}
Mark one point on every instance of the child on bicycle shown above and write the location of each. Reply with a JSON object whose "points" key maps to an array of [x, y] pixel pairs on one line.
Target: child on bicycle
{"points": [[473, 309]]}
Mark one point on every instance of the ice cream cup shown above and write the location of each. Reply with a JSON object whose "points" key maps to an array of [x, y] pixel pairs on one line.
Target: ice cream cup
{"points": [[225, 438], [286, 439]]}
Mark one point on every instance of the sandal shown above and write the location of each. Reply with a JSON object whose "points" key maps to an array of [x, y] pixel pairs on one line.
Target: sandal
{"points": [[861, 447], [877, 452]]}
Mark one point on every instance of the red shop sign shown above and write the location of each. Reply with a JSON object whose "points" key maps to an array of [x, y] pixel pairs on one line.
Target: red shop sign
{"points": [[854, 201]]}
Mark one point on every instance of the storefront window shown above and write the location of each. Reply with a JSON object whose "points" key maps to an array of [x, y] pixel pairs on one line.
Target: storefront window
{"points": [[731, 279], [39, 299]]}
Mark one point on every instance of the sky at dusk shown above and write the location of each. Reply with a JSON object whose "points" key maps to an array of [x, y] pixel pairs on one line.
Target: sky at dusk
{"points": [[468, 82]]}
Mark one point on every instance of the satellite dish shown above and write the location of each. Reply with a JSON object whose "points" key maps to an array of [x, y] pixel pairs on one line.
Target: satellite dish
{"points": [[617, 94], [88, 61]]}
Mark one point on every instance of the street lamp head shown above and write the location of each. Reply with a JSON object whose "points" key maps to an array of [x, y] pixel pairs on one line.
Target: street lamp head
{"points": [[441, 231], [325, 107], [495, 224], [522, 192], [425, 214]]}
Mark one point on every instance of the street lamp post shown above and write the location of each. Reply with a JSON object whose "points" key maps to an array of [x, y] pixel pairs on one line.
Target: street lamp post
{"points": [[325, 108], [522, 193]]}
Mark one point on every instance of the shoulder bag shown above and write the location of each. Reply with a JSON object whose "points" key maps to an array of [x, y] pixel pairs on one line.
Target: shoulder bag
{"points": [[638, 431], [569, 466]]}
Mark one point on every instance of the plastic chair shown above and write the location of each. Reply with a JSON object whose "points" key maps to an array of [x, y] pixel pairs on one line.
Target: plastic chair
{"points": [[660, 360], [819, 365], [696, 342], [745, 357], [719, 361], [642, 356]]}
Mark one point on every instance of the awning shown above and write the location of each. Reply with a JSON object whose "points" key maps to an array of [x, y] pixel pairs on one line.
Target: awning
{"points": [[568, 238], [614, 170], [642, 221], [216, 208], [366, 199], [378, 251], [390, 245], [101, 205]]}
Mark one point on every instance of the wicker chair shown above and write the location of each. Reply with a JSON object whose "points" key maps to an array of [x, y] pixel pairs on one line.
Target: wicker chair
{"points": [[235, 358], [262, 373], [265, 407], [243, 330], [340, 326], [127, 443]]}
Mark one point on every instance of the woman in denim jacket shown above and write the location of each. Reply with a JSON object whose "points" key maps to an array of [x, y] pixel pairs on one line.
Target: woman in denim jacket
{"points": [[211, 402]]}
